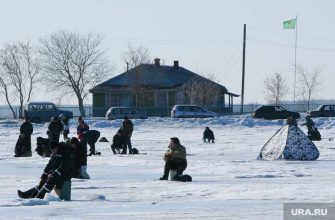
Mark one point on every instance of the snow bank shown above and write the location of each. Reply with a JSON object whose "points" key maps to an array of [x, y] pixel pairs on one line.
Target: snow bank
{"points": [[231, 121]]}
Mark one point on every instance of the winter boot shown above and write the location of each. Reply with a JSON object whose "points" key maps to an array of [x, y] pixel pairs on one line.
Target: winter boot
{"points": [[163, 178], [42, 193], [31, 193]]}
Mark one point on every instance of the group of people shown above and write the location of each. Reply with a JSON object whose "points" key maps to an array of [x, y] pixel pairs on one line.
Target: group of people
{"points": [[122, 138], [69, 158]]}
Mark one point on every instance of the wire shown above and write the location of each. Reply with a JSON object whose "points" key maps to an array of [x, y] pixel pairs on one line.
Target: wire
{"points": [[291, 46], [288, 35]]}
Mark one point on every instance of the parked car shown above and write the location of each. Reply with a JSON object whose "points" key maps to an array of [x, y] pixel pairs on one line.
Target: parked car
{"points": [[39, 112], [323, 111], [191, 111], [273, 112], [120, 112]]}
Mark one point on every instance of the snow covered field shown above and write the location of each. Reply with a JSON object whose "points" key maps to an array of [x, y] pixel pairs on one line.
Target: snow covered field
{"points": [[228, 181]]}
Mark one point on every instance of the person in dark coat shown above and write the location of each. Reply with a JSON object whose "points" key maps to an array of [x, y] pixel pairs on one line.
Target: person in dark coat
{"points": [[127, 129], [66, 128], [312, 132], [91, 137], [80, 159], [87, 136], [58, 170], [23, 144], [175, 158], [54, 129], [81, 128], [208, 135], [119, 143]]}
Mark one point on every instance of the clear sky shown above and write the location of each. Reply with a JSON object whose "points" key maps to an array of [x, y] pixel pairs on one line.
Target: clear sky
{"points": [[205, 36]]}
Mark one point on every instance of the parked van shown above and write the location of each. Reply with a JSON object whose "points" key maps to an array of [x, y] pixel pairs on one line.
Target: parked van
{"points": [[120, 112], [191, 111], [39, 112]]}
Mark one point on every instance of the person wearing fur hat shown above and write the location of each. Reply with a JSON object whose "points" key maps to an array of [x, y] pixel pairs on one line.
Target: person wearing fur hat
{"points": [[58, 170], [175, 158]]}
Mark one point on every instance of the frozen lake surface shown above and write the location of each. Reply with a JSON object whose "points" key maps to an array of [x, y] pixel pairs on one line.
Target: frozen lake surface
{"points": [[228, 181]]}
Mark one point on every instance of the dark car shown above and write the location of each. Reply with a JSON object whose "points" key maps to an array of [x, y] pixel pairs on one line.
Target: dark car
{"points": [[323, 111], [273, 112], [39, 112]]}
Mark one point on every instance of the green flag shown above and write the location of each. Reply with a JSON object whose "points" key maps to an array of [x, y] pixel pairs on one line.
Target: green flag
{"points": [[290, 24]]}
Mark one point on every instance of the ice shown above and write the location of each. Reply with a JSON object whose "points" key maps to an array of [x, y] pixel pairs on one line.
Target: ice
{"points": [[228, 181]]}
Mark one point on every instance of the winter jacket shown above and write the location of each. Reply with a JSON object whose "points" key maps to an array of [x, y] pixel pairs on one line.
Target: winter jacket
{"points": [[309, 124], [26, 129], [127, 128], [65, 123], [60, 164], [118, 141], [79, 156], [208, 134], [54, 130], [179, 152], [81, 130]]}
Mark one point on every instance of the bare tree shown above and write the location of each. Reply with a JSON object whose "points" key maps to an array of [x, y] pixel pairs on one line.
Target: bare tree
{"points": [[310, 82], [73, 63], [20, 69], [202, 91], [134, 56], [275, 88], [4, 89]]}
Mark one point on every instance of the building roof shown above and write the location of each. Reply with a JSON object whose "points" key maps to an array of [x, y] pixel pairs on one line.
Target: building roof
{"points": [[153, 76]]}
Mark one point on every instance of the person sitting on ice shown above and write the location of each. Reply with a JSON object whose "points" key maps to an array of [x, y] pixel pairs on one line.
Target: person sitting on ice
{"points": [[119, 143], [175, 158], [23, 144], [80, 159], [208, 135], [58, 170], [312, 132]]}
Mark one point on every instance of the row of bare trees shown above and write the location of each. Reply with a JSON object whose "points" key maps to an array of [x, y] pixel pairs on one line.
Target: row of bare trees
{"points": [[67, 62], [309, 84]]}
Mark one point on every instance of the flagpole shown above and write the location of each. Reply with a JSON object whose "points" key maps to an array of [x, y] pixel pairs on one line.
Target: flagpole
{"points": [[295, 56]]}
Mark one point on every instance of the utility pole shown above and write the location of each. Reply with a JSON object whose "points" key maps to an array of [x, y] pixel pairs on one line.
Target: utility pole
{"points": [[243, 68]]}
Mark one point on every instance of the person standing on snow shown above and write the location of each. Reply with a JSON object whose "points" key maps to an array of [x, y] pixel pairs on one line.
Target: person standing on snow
{"points": [[54, 129], [66, 128], [23, 144], [82, 127], [175, 158], [127, 129]]}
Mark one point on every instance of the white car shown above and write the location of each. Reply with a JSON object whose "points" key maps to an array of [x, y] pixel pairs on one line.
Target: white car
{"points": [[191, 111]]}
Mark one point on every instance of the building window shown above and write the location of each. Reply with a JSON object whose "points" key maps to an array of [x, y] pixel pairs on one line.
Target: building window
{"points": [[161, 99], [112, 100]]}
